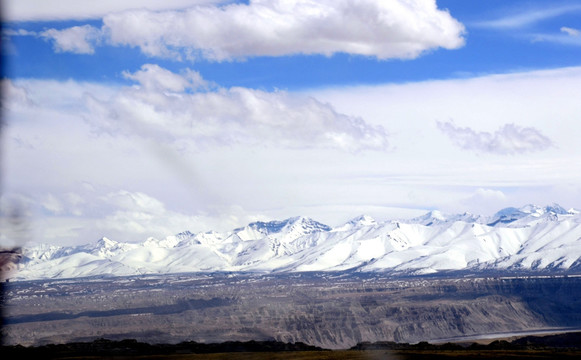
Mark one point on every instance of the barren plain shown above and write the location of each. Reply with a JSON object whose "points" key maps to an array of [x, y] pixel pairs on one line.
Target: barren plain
{"points": [[330, 310]]}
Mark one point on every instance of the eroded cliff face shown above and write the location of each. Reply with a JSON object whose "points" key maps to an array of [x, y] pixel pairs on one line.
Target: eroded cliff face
{"points": [[327, 310], [426, 310]]}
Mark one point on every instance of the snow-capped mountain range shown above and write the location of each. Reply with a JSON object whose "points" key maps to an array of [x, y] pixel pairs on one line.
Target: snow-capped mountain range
{"points": [[528, 238]]}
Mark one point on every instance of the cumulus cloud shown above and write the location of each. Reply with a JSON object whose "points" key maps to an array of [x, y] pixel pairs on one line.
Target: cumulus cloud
{"points": [[381, 29], [482, 194], [77, 39], [152, 77], [483, 198], [509, 139], [163, 107]]}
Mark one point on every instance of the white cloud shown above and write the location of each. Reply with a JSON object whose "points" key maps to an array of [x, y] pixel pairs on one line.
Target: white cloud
{"points": [[134, 201], [13, 95], [135, 214], [570, 31], [163, 108], [77, 39], [543, 100], [34, 10], [66, 218], [170, 182], [52, 204], [527, 17], [152, 77], [509, 139], [385, 30], [568, 36], [525, 23], [19, 32], [561, 39], [382, 29], [487, 194], [483, 202]]}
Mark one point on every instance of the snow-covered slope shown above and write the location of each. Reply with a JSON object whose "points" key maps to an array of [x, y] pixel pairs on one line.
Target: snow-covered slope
{"points": [[527, 238]]}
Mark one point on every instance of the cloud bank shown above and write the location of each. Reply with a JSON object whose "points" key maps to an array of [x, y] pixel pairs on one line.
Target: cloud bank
{"points": [[165, 107], [508, 140], [12, 95], [34, 10], [210, 162], [375, 28], [89, 214]]}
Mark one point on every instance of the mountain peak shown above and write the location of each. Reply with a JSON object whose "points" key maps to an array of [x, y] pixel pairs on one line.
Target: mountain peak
{"points": [[268, 227], [511, 210], [275, 226], [556, 208], [541, 210], [307, 225], [287, 230], [185, 234], [106, 243], [429, 218], [512, 214], [363, 220]]}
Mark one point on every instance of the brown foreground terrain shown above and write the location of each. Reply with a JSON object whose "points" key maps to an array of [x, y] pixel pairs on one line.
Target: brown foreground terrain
{"points": [[563, 346], [329, 310]]}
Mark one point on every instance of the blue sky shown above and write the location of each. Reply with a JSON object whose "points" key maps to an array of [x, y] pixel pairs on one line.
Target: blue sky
{"points": [[135, 118], [488, 49]]}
